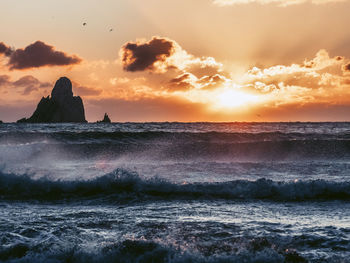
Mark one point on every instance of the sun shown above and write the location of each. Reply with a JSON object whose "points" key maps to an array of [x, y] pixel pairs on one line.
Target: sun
{"points": [[232, 98], [223, 99]]}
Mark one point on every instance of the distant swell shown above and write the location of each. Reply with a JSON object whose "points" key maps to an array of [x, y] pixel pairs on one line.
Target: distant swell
{"points": [[144, 136], [123, 185], [188, 145]]}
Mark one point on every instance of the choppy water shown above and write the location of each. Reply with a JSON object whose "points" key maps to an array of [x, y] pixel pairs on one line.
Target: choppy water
{"points": [[175, 192]]}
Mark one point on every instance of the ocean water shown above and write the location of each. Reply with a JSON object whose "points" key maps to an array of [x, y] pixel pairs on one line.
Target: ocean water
{"points": [[175, 192]]}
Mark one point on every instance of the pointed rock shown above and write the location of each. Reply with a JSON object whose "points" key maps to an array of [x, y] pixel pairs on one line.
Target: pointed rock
{"points": [[106, 119], [61, 107], [62, 90]]}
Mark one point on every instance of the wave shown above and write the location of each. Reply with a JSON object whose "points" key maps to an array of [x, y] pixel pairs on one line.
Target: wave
{"points": [[148, 251], [126, 186]]}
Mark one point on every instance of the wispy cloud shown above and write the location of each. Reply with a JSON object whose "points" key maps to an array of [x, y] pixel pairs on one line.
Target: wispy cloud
{"points": [[25, 85]]}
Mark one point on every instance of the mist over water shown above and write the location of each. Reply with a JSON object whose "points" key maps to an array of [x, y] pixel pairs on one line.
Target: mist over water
{"points": [[175, 192]]}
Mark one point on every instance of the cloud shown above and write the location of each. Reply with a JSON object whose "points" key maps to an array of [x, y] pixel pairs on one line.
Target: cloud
{"points": [[346, 68], [281, 3], [131, 89], [318, 72], [161, 55], [322, 79], [25, 85], [138, 56], [322, 60], [5, 49], [184, 81], [316, 80], [177, 71], [85, 91], [36, 55], [30, 83], [319, 80], [188, 81], [4, 80]]}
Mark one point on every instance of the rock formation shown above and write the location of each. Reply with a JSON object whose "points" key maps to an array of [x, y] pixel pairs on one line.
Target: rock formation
{"points": [[62, 106], [106, 119]]}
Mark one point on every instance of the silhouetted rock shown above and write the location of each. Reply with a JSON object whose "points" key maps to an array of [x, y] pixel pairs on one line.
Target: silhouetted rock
{"points": [[23, 120], [61, 107], [106, 119], [1, 121]]}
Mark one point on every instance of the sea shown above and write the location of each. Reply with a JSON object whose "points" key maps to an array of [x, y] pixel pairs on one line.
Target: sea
{"points": [[175, 192]]}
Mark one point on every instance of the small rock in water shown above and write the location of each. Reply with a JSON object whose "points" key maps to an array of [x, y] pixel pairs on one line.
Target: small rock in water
{"points": [[106, 119]]}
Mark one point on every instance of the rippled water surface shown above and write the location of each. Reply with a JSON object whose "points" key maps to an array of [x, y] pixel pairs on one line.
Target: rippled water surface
{"points": [[175, 192]]}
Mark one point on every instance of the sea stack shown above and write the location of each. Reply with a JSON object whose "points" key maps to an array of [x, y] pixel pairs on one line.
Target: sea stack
{"points": [[62, 106], [106, 119]]}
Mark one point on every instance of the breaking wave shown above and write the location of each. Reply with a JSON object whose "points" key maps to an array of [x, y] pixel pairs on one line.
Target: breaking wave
{"points": [[146, 251], [124, 185]]}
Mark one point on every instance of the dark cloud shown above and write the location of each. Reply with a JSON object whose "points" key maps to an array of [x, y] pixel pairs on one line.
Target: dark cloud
{"points": [[5, 49], [143, 56], [346, 68], [339, 58], [37, 55]]}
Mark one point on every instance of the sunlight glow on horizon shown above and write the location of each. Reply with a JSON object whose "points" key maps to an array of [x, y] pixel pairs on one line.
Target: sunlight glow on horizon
{"points": [[232, 99]]}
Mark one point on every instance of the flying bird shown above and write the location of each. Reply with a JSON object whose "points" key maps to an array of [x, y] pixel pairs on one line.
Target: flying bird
{"points": [[111, 30], [84, 24]]}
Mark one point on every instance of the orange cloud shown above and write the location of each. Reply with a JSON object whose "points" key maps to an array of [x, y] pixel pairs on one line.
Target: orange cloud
{"points": [[85, 91], [318, 80]]}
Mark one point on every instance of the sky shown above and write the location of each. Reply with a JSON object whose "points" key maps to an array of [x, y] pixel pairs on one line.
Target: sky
{"points": [[183, 60]]}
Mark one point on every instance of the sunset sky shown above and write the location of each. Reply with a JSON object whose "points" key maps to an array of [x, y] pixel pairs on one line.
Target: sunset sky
{"points": [[183, 60]]}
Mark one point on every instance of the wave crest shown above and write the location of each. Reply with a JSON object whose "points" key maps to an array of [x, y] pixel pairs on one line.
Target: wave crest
{"points": [[124, 185], [146, 251]]}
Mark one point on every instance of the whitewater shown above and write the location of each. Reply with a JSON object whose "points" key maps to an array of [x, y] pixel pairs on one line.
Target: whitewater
{"points": [[175, 192]]}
